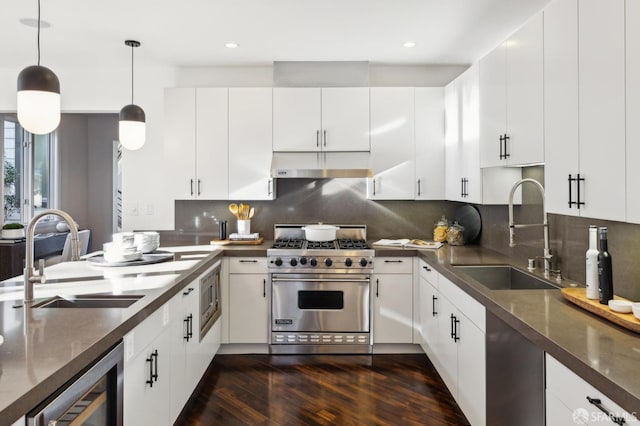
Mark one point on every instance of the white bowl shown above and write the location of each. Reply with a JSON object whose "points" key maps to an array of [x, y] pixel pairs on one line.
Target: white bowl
{"points": [[622, 306], [636, 309], [124, 239]]}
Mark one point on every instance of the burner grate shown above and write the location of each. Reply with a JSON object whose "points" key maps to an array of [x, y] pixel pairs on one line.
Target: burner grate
{"points": [[292, 243], [347, 243], [315, 245]]}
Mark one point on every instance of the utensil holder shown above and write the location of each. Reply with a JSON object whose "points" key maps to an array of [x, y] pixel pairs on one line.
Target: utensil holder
{"points": [[244, 227]]}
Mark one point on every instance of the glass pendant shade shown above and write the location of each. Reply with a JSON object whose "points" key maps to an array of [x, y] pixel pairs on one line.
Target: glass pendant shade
{"points": [[132, 127], [38, 101]]}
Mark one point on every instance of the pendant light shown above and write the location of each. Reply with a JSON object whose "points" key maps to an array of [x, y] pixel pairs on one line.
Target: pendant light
{"points": [[132, 127], [38, 101]]}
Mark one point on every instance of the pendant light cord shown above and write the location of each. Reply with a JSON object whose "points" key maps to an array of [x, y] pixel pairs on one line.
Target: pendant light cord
{"points": [[38, 32], [132, 47]]}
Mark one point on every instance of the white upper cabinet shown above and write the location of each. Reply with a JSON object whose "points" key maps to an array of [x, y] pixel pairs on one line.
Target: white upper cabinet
{"points": [[250, 133], [560, 103], [196, 143], [392, 144], [511, 103], [345, 119], [465, 180], [429, 142], [601, 68], [314, 119], [633, 109], [585, 78]]}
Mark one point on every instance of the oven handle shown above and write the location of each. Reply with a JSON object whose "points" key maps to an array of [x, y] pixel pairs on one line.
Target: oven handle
{"points": [[322, 280]]}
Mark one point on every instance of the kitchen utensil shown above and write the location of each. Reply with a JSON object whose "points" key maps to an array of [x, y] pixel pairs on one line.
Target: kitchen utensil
{"points": [[241, 211], [252, 211], [469, 217], [233, 208], [320, 232]]}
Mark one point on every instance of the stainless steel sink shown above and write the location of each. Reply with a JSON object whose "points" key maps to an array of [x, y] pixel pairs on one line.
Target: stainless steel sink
{"points": [[504, 277], [89, 301]]}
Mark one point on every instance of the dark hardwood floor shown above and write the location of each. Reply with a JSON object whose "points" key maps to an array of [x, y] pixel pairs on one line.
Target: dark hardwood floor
{"points": [[402, 389]]}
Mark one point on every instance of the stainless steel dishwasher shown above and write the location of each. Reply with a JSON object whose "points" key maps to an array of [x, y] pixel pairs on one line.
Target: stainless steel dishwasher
{"points": [[515, 377]]}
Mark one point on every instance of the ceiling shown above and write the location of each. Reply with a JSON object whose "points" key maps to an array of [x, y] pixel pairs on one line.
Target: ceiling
{"points": [[192, 33]]}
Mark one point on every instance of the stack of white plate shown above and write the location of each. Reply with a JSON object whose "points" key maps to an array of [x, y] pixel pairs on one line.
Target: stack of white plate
{"points": [[122, 248], [147, 241]]}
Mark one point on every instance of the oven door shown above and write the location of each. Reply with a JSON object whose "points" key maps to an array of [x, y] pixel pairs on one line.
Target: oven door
{"points": [[320, 302]]}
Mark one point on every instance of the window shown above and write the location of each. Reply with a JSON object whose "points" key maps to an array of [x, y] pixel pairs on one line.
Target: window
{"points": [[29, 166]]}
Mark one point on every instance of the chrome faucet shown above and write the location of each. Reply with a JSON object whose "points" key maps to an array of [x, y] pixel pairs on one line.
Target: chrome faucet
{"points": [[29, 273], [546, 256]]}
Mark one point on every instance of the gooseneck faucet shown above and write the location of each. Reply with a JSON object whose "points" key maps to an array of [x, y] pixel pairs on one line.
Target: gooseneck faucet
{"points": [[545, 224], [29, 274]]}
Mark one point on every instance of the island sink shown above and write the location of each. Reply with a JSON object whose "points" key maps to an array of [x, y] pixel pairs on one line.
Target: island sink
{"points": [[504, 277], [90, 301]]}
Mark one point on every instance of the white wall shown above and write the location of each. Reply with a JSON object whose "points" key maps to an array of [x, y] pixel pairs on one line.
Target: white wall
{"points": [[108, 90]]}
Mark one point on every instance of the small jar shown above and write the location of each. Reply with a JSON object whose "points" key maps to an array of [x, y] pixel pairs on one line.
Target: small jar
{"points": [[440, 230], [454, 234]]}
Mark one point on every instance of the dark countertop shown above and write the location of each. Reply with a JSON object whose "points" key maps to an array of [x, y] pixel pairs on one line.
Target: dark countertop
{"points": [[603, 354]]}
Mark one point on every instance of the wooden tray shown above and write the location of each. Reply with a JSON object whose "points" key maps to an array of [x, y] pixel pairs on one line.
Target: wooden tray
{"points": [[579, 297], [238, 242]]}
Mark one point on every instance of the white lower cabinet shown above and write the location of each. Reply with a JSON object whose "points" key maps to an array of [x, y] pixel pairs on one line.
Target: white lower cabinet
{"points": [[248, 300], [165, 359], [392, 290], [147, 382], [453, 336], [571, 400]]}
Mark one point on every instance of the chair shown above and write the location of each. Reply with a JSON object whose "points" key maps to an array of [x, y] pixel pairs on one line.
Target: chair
{"points": [[83, 237]]}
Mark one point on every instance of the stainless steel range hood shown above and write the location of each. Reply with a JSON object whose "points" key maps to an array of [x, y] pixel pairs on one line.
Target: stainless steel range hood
{"points": [[321, 165]]}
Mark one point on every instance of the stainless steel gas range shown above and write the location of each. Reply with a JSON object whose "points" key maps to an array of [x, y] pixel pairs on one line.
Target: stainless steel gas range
{"points": [[320, 292]]}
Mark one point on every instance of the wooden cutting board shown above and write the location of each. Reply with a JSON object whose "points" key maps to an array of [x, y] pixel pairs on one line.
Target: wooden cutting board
{"points": [[238, 242], [578, 296]]}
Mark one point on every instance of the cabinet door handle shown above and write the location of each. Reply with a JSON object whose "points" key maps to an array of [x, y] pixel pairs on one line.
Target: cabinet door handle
{"points": [[189, 322], [434, 312], [324, 132], [418, 187], [374, 186], [570, 180], [506, 147], [393, 261], [426, 268], [501, 150], [191, 187], [454, 328], [248, 261], [150, 380], [264, 288], [269, 183], [598, 403], [155, 361], [377, 287], [317, 138], [462, 187], [578, 180], [198, 186]]}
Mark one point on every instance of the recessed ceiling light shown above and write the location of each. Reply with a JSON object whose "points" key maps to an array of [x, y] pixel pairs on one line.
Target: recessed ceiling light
{"points": [[231, 45], [33, 22], [409, 44]]}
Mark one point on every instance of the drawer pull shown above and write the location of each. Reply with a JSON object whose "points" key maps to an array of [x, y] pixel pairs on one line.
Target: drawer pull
{"points": [[248, 261], [426, 268], [598, 403], [393, 261]]}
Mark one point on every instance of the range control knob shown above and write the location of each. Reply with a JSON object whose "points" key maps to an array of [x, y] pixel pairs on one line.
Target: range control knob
{"points": [[313, 262], [348, 262], [303, 260], [294, 262], [278, 261], [363, 262], [328, 262]]}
